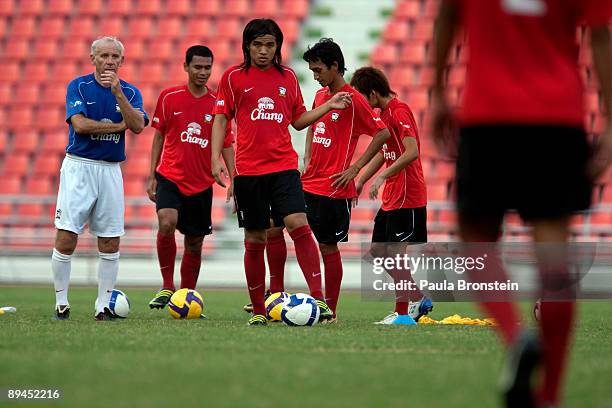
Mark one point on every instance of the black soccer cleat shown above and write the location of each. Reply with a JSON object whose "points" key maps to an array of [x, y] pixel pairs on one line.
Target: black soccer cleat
{"points": [[62, 312], [106, 315], [161, 298], [515, 383], [258, 320]]}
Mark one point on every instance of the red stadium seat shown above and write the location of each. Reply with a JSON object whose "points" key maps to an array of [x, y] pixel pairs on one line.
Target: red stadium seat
{"points": [[6, 94], [291, 30], [17, 49], [161, 49], [54, 143], [402, 76], [418, 99], [396, 31], [24, 27], [7, 7], [39, 186], [384, 54], [128, 72], [9, 71], [6, 210], [151, 72], [3, 142], [49, 118], [294, 8], [30, 211], [81, 26], [89, 8], [139, 27], [149, 7], [178, 8], [135, 48], [137, 166], [437, 191], [35, 72], [31, 7], [198, 28], [17, 164], [177, 74], [422, 30], [170, 27], [46, 165], [227, 28], [408, 10], [25, 142], [54, 94], [64, 72], [601, 218], [46, 49], [413, 53], [11, 184], [211, 8], [59, 8], [140, 144], [146, 213], [431, 8], [75, 50], [3, 27], [264, 8], [119, 7], [19, 117], [236, 8], [134, 188], [113, 26]]}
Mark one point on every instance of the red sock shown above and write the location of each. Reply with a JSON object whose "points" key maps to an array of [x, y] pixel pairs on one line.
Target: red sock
{"points": [[276, 252], [556, 321], [402, 296], [333, 279], [190, 268], [255, 269], [166, 254], [307, 255], [507, 318]]}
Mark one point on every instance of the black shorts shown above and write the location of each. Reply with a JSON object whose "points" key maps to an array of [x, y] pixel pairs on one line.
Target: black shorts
{"points": [[540, 171], [193, 211], [402, 225], [329, 218], [273, 195]]}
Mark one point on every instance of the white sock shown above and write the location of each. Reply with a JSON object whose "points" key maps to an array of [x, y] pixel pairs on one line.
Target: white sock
{"points": [[108, 268], [60, 264]]}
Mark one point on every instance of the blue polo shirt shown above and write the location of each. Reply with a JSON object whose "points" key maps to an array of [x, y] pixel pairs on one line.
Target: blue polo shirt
{"points": [[87, 97]]}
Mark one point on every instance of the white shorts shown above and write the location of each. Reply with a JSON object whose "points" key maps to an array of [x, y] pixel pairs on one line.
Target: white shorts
{"points": [[90, 191]]}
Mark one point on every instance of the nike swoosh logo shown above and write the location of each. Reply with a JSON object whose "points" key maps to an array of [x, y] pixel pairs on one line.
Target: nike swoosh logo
{"points": [[248, 89], [401, 233], [177, 113], [58, 291], [339, 233], [90, 103], [314, 275], [256, 287]]}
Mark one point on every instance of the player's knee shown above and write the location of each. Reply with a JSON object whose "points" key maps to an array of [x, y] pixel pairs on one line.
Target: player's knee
{"points": [[327, 249], [255, 236], [167, 219], [274, 232], [108, 245], [66, 242], [295, 221], [194, 244]]}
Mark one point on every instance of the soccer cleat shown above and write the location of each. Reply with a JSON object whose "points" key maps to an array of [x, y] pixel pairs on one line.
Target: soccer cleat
{"points": [[249, 307], [161, 299], [418, 309], [333, 320], [258, 320], [395, 318], [62, 312], [515, 381], [326, 312], [203, 316], [106, 315]]}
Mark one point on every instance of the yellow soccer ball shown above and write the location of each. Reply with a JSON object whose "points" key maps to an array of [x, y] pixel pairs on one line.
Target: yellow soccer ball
{"points": [[274, 305], [186, 304]]}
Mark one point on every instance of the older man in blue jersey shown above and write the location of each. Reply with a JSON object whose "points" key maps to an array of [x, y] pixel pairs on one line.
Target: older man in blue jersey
{"points": [[99, 109]]}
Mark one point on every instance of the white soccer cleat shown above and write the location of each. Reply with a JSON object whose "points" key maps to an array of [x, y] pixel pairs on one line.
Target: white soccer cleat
{"points": [[395, 318], [420, 308]]}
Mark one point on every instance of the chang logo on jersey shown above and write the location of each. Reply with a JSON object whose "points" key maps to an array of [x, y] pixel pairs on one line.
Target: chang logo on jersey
{"points": [[107, 137], [387, 154], [220, 102], [191, 135], [264, 105], [316, 136]]}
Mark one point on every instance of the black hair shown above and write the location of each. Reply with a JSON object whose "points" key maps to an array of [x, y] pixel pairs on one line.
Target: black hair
{"points": [[368, 79], [198, 50], [328, 52], [257, 28]]}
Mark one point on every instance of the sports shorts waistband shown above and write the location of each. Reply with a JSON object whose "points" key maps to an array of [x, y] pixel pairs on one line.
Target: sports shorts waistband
{"points": [[91, 161]]}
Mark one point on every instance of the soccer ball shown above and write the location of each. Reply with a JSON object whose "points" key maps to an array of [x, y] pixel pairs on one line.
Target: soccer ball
{"points": [[274, 305], [119, 304], [186, 304], [537, 309], [300, 310]]}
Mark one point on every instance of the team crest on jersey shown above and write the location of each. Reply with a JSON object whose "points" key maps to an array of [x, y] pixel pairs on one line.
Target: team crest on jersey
{"points": [[335, 116], [282, 91], [208, 118], [117, 108]]}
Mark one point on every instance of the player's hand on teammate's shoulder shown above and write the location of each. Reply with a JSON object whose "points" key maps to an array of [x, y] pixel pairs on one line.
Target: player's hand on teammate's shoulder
{"points": [[602, 155], [152, 188], [340, 100]]}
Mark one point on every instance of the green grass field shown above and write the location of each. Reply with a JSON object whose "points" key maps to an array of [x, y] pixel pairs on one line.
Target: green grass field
{"points": [[151, 360]]}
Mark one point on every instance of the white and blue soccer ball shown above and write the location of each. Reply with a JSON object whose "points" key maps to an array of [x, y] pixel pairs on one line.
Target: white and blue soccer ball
{"points": [[300, 310], [119, 304]]}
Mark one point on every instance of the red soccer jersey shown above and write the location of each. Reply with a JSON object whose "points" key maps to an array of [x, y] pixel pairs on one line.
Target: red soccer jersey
{"points": [[334, 140], [186, 124], [263, 103], [406, 188], [522, 65]]}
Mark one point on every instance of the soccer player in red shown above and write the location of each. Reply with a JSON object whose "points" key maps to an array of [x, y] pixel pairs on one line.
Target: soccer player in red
{"points": [[181, 179], [522, 146], [328, 174], [264, 97], [402, 218]]}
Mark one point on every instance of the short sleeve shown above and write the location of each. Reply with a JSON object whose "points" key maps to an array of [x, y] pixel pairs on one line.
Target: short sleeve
{"points": [[595, 12], [366, 122], [74, 101], [229, 135], [298, 108], [136, 103], [225, 98], [159, 117], [404, 123]]}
